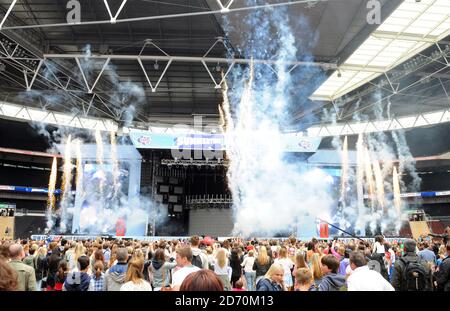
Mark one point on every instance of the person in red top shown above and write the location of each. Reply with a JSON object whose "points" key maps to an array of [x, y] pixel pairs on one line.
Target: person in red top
{"points": [[120, 227]]}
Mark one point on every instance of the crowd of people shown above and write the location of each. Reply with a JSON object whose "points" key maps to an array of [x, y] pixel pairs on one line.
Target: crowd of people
{"points": [[233, 264]]}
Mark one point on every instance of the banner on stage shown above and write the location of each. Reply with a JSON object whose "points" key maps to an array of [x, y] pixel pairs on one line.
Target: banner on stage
{"points": [[149, 140]]}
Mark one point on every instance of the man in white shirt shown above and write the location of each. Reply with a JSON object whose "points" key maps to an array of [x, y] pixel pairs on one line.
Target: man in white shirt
{"points": [[184, 260], [364, 279]]}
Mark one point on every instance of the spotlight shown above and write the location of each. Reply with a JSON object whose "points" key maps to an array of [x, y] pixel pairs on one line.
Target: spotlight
{"points": [[218, 67], [2, 67], [156, 65], [339, 73]]}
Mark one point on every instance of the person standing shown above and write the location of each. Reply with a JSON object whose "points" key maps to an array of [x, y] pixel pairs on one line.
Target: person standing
{"points": [[443, 274], [184, 260], [249, 273], [135, 277], [364, 279], [78, 280], [288, 266], [25, 273], [115, 276], [410, 272], [199, 258], [331, 281]]}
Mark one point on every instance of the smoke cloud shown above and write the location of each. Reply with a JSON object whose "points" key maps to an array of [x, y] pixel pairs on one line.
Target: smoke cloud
{"points": [[270, 192]]}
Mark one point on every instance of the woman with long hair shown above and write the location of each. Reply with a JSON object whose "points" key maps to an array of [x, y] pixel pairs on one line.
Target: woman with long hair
{"points": [[300, 262], [159, 270], [41, 265], [272, 280], [73, 260], [96, 256], [97, 278], [134, 280], [61, 275], [262, 263], [288, 265], [316, 269], [112, 258], [222, 269], [138, 254], [249, 273], [53, 265], [235, 264]]}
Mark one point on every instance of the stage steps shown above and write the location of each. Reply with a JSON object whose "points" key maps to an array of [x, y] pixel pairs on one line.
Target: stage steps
{"points": [[419, 228]]}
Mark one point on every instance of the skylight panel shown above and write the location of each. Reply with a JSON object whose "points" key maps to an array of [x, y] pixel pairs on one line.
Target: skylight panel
{"points": [[411, 28]]}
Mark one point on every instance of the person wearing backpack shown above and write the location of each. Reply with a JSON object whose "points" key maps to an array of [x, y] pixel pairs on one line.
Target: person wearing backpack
{"points": [[199, 258], [410, 272]]}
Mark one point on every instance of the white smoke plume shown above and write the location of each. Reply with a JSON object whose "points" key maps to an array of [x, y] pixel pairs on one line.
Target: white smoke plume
{"points": [[270, 193]]}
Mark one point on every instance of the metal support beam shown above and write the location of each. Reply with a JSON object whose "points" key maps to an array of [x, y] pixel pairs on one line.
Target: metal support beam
{"points": [[7, 13], [168, 16], [29, 86], [189, 59], [114, 18], [99, 75], [224, 8], [391, 35], [397, 85], [398, 92], [147, 77]]}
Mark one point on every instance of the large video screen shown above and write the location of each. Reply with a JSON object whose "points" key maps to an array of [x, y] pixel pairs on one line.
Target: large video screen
{"points": [[95, 175], [103, 199]]}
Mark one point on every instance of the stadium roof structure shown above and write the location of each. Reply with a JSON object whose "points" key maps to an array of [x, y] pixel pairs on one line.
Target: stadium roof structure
{"points": [[80, 74]]}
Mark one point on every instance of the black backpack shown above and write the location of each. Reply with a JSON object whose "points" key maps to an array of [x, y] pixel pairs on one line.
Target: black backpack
{"points": [[414, 275], [197, 261]]}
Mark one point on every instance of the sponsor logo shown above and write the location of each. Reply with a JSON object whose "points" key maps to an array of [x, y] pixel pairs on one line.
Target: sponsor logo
{"points": [[144, 140], [199, 141], [305, 144]]}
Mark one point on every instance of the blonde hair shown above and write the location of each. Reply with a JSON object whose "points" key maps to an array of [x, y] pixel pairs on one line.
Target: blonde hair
{"points": [[221, 257], [138, 254], [442, 250], [79, 251], [263, 258], [135, 271], [315, 267], [300, 260], [41, 251], [112, 258], [274, 268]]}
